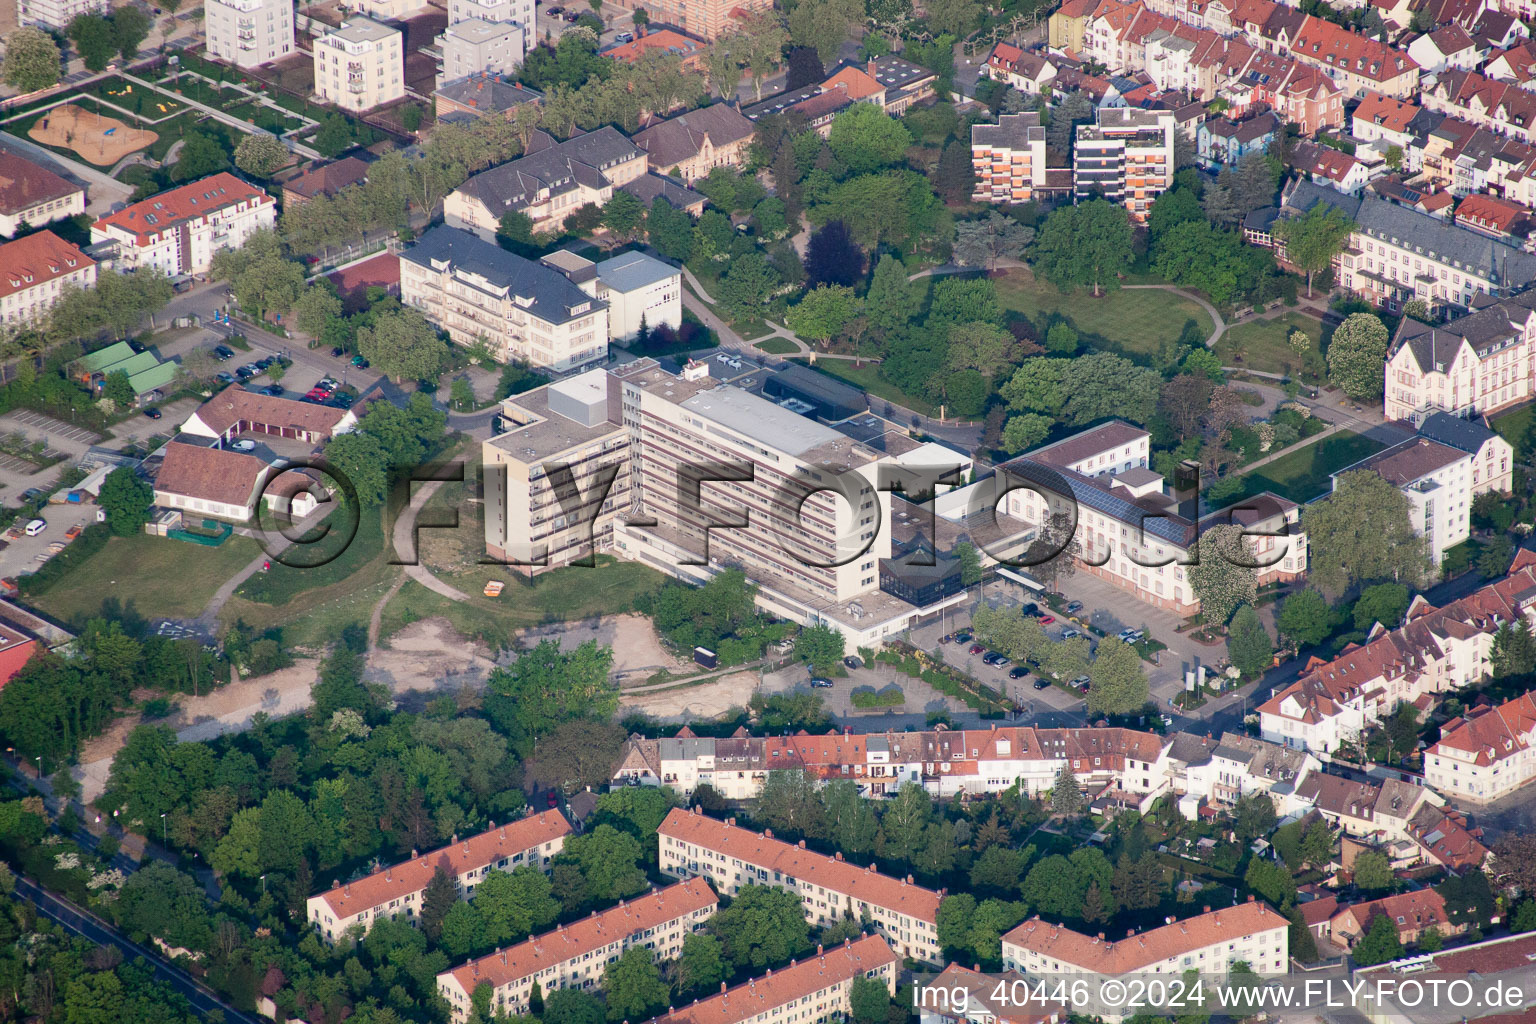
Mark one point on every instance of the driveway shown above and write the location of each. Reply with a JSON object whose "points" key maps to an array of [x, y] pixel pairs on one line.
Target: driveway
{"points": [[25, 554]]}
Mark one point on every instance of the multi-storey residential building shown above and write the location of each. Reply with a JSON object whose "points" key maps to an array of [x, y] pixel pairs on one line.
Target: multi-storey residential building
{"points": [[1009, 159], [830, 888], [1437, 481], [1068, 25], [1396, 253], [481, 94], [550, 183], [709, 20], [248, 33], [177, 232], [1503, 107], [1436, 650], [31, 195], [360, 65], [1126, 157], [1210, 943], [1410, 913], [811, 991], [983, 999], [1220, 142], [575, 955], [1492, 457], [525, 310], [1358, 63], [35, 271], [1128, 531], [1487, 753], [1447, 48], [690, 145], [519, 12], [641, 291], [477, 46], [945, 763], [1222, 770], [1472, 366], [57, 14], [398, 890]]}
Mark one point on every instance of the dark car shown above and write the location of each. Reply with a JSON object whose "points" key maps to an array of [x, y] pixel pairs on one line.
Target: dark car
{"points": [[977, 649], [153, 414], [339, 402], [962, 637], [1018, 672], [1029, 608], [853, 662], [1073, 607], [264, 362], [359, 362], [1041, 684], [246, 373], [224, 378], [572, 16], [273, 390], [338, 352], [991, 658], [223, 352], [821, 684]]}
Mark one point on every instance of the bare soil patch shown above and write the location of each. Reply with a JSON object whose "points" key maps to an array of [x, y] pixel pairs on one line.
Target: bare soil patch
{"points": [[99, 139]]}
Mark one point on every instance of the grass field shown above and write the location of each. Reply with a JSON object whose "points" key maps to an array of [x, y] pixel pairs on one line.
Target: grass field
{"points": [[1264, 345], [158, 576], [1304, 474], [867, 378], [1512, 425], [777, 346], [1132, 322]]}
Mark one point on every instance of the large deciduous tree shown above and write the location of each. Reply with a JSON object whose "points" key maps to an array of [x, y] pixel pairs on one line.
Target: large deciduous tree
{"points": [[1088, 245], [1312, 240], [1357, 356], [1248, 642], [1118, 683], [260, 155], [1224, 576], [1361, 532], [403, 345], [866, 138], [32, 60]]}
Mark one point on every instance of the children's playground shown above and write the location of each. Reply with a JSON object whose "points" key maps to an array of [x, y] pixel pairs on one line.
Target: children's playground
{"points": [[99, 139]]}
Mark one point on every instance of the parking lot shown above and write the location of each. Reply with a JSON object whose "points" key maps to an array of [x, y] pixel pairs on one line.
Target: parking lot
{"points": [[53, 431], [25, 554]]}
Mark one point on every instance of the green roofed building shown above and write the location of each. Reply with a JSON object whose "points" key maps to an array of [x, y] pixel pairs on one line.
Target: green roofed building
{"points": [[152, 379], [135, 363], [97, 361]]}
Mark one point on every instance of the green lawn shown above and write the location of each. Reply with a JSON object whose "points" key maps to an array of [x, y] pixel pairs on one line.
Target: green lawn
{"points": [[160, 577], [867, 378], [1264, 345], [1133, 322], [1512, 425], [1304, 474], [778, 346]]}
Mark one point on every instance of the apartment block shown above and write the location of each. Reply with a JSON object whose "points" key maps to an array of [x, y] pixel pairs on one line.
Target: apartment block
{"points": [[397, 890], [1437, 481], [1210, 943], [1126, 157], [1436, 650], [519, 12], [1487, 753], [31, 195], [706, 19], [57, 14], [1027, 72], [547, 185], [1129, 530], [575, 955], [1008, 158], [35, 271], [811, 991], [830, 888], [691, 145], [476, 291], [248, 33], [177, 232], [640, 290], [360, 65], [970, 997], [1492, 456], [477, 46], [1475, 365]]}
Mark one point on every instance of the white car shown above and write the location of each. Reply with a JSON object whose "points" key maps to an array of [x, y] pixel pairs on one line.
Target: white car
{"points": [[245, 444], [1069, 633]]}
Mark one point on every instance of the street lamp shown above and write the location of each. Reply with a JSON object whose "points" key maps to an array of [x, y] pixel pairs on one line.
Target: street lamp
{"points": [[263, 885], [164, 832]]}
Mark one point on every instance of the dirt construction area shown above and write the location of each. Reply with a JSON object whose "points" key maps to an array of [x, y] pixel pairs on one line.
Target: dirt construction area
{"points": [[99, 139], [429, 655], [637, 652], [693, 701]]}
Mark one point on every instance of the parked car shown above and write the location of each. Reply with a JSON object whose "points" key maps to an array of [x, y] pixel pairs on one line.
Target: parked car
{"points": [[31, 493], [153, 414], [1131, 636], [853, 662], [1042, 684], [359, 362], [1046, 620], [245, 373], [337, 352], [273, 390], [1018, 672], [962, 637], [990, 658], [624, 37], [328, 383], [977, 649], [821, 684], [36, 527], [338, 401], [572, 17], [245, 444], [1070, 633], [1029, 608], [1081, 683], [223, 352], [224, 378], [1073, 607]]}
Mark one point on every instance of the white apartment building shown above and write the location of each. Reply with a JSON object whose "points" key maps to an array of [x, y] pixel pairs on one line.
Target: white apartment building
{"points": [[1128, 530], [1210, 943], [1008, 158], [247, 33], [177, 232], [575, 955], [639, 289], [518, 11], [477, 291], [811, 991], [476, 45], [1488, 753], [360, 65], [1437, 481], [31, 195], [397, 890], [1477, 364], [830, 888], [1492, 457], [34, 271], [57, 14], [1436, 650], [1126, 157]]}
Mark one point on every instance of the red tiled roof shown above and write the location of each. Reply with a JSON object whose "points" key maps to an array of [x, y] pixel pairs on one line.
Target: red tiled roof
{"points": [[1144, 949], [24, 184], [1492, 212], [864, 884], [496, 843], [782, 987], [161, 213], [212, 474], [662, 40], [651, 910], [1385, 111], [1338, 47], [37, 259], [236, 405]]}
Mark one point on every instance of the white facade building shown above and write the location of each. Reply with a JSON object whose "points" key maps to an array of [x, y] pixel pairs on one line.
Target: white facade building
{"points": [[476, 45], [34, 271], [1437, 481], [57, 14], [177, 232], [639, 288], [360, 65], [247, 33]]}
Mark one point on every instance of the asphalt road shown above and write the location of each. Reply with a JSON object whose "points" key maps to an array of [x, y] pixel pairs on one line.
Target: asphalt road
{"points": [[93, 928]]}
